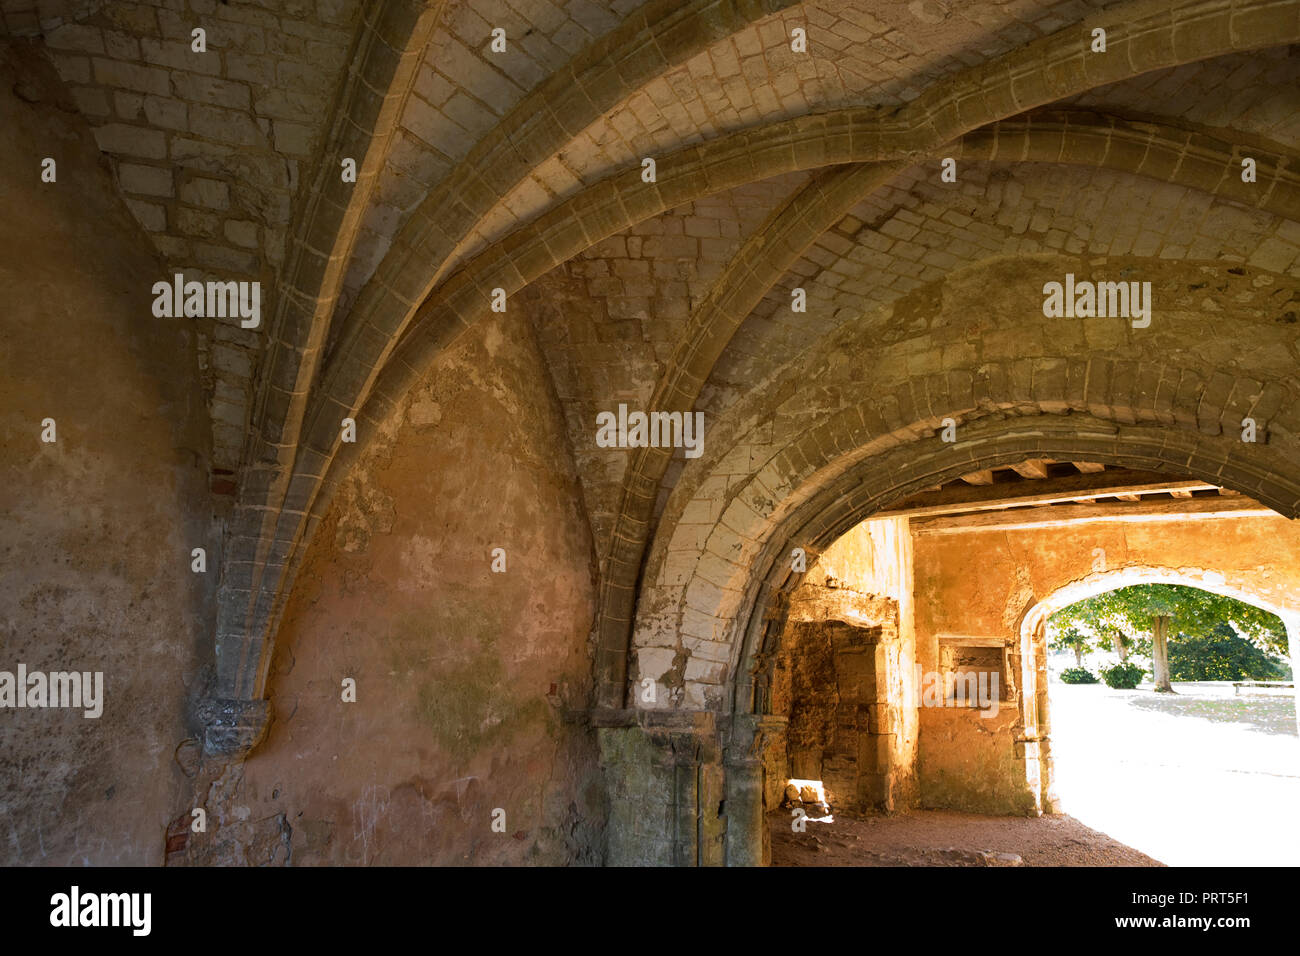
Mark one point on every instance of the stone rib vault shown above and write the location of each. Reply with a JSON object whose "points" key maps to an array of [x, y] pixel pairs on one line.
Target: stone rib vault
{"points": [[478, 226]]}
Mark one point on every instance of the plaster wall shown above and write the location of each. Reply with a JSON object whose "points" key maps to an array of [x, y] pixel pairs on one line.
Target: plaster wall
{"points": [[981, 584], [843, 674], [467, 679], [97, 527]]}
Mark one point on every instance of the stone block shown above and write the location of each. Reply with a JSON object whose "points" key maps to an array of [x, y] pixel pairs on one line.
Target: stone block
{"points": [[131, 76], [293, 138], [241, 232], [73, 36], [137, 141], [226, 259], [177, 55], [209, 193], [93, 101], [198, 88], [146, 180], [225, 126], [166, 112]]}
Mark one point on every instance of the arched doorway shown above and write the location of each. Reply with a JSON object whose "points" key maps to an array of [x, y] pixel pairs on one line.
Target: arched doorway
{"points": [[716, 738], [1163, 772]]}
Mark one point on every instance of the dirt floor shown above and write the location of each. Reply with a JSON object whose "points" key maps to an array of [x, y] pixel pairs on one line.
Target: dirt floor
{"points": [[945, 838]]}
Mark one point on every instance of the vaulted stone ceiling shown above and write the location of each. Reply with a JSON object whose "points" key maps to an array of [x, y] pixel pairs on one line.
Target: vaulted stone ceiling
{"points": [[776, 170]]}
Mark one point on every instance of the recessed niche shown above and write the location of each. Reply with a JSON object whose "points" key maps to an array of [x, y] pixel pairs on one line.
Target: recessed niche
{"points": [[975, 670]]}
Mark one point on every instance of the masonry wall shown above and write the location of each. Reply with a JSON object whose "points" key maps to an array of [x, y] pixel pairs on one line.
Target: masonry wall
{"points": [[980, 584], [831, 682], [210, 150], [466, 679], [843, 674], [96, 529]]}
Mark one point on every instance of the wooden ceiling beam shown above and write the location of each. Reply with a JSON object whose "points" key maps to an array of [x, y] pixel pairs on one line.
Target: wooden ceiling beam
{"points": [[1061, 516], [1034, 468], [957, 498]]}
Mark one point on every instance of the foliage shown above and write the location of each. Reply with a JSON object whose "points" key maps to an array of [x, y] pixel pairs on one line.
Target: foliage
{"points": [[1113, 639], [1072, 639], [1134, 609], [1078, 675], [1122, 676], [1221, 654]]}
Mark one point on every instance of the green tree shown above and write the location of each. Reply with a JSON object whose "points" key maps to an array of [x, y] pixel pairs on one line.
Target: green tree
{"points": [[1113, 639], [1161, 610], [1075, 640], [1222, 654]]}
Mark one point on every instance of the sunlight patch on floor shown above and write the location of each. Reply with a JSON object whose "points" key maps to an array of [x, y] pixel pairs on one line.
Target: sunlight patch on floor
{"points": [[1209, 790]]}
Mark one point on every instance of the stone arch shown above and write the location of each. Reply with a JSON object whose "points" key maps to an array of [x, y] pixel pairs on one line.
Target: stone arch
{"points": [[389, 45], [824, 499], [1230, 584], [1144, 36], [1243, 587], [1060, 137], [825, 496], [1172, 155]]}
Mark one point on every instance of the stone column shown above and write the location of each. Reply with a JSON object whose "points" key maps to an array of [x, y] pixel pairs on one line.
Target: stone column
{"points": [[232, 727], [1047, 788], [666, 786], [746, 809]]}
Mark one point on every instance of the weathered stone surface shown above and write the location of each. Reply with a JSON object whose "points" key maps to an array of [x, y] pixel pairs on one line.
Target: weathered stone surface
{"points": [[639, 582], [97, 527], [998, 583], [476, 671], [231, 728]]}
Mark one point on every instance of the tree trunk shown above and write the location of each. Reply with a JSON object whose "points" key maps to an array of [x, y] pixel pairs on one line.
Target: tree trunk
{"points": [[1160, 655], [1078, 656], [1121, 647]]}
